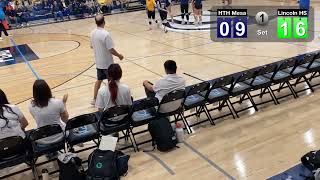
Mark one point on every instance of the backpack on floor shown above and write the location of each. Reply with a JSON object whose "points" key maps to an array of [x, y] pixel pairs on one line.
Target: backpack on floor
{"points": [[162, 134], [311, 160], [102, 165], [70, 167]]}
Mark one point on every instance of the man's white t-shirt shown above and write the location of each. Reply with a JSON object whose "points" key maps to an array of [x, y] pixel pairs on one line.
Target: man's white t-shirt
{"points": [[104, 97], [101, 42], [167, 84], [13, 128], [47, 116]]}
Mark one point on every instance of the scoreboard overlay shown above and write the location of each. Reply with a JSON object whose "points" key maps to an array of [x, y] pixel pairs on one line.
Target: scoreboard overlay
{"points": [[262, 24]]}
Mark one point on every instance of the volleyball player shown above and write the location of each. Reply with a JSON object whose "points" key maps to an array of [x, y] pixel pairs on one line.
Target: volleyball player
{"points": [[197, 10], [184, 6], [162, 8], [168, 8], [151, 12]]}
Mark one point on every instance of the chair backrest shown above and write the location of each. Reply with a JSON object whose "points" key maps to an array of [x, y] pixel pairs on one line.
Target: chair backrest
{"points": [[11, 147], [269, 68], [116, 115], [250, 74], [80, 121], [45, 131], [198, 88], [291, 62], [221, 82], [171, 102], [145, 103], [308, 58]]}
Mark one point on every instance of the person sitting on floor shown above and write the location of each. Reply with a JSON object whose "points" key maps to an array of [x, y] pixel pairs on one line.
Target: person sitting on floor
{"points": [[47, 110], [12, 121], [171, 81], [115, 93]]}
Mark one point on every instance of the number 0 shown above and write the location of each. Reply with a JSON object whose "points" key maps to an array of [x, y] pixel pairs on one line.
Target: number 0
{"points": [[224, 29]]}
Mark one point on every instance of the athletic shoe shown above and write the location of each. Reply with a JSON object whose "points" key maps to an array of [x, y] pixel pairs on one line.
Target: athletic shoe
{"points": [[188, 22], [1, 39], [200, 23], [93, 102], [182, 22], [165, 30]]}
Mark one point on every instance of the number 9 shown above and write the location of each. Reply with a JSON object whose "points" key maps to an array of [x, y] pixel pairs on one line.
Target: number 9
{"points": [[240, 29]]}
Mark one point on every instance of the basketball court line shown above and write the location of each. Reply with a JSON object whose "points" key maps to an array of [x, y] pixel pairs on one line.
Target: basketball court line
{"points": [[162, 163], [213, 164], [35, 74]]}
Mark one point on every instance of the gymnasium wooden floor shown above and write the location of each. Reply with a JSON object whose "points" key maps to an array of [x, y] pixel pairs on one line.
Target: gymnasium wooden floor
{"points": [[252, 147]]}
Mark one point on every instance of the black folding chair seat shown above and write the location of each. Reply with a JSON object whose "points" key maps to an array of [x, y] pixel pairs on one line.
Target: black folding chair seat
{"points": [[297, 71], [279, 76], [117, 119], [193, 101], [240, 88], [315, 65], [107, 129], [143, 116], [143, 111], [84, 134], [37, 137], [82, 129], [258, 82], [217, 94]]}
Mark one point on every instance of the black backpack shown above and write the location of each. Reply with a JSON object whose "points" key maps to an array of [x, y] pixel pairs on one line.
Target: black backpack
{"points": [[102, 165], [71, 169], [162, 134], [311, 160]]}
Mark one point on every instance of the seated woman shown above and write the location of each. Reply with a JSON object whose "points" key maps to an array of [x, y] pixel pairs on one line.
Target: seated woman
{"points": [[47, 110], [12, 121], [115, 93]]}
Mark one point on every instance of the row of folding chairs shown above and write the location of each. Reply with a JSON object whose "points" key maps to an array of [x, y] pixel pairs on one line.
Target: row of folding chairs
{"points": [[221, 91]]}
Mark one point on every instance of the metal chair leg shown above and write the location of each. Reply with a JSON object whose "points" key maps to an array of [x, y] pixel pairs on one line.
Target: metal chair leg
{"points": [[252, 102], [234, 110], [292, 90], [308, 83], [273, 96], [185, 122], [208, 115]]}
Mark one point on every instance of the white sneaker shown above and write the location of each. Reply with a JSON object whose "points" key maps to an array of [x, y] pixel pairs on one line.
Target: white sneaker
{"points": [[182, 22], [1, 39], [93, 102], [188, 22], [200, 23]]}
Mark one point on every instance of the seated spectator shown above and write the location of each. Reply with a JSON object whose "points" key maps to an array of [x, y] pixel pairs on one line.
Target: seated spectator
{"points": [[167, 83], [57, 10], [47, 110], [12, 121], [23, 15], [115, 93]]}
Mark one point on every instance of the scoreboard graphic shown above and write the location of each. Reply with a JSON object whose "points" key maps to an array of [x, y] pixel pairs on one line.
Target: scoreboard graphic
{"points": [[262, 24]]}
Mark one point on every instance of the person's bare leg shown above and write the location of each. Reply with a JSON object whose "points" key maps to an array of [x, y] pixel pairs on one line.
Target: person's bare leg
{"points": [[96, 88]]}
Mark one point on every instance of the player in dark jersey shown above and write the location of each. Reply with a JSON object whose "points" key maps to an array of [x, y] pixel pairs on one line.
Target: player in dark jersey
{"points": [[162, 8], [168, 8], [184, 6], [197, 10]]}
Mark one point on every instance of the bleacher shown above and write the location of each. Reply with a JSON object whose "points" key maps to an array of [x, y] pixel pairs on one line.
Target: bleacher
{"points": [[227, 92]]}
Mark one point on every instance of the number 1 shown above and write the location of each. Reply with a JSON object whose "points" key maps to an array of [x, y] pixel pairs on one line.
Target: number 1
{"points": [[262, 17], [284, 28]]}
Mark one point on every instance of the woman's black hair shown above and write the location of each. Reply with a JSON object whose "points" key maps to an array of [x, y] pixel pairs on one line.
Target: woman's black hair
{"points": [[4, 106], [41, 93]]}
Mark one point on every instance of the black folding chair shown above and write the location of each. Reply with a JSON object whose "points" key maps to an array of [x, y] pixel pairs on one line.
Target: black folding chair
{"points": [[117, 119], [82, 129], [240, 88], [195, 99], [143, 111], [217, 94], [300, 70], [14, 151], [263, 83], [41, 145], [281, 77], [171, 105]]}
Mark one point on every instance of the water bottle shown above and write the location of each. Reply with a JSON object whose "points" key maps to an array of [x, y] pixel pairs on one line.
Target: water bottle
{"points": [[179, 132], [45, 174]]}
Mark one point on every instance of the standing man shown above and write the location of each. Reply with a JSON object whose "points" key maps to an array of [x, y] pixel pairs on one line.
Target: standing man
{"points": [[103, 48]]}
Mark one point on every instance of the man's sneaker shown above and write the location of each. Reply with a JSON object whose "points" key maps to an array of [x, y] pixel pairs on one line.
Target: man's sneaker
{"points": [[188, 22], [93, 102], [183, 22]]}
